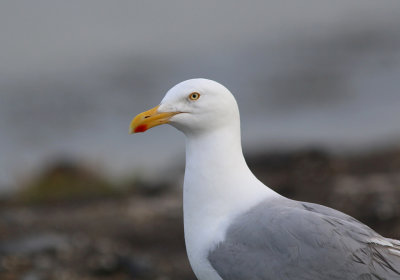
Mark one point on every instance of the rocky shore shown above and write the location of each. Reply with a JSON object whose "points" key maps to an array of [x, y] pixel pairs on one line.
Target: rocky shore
{"points": [[138, 234]]}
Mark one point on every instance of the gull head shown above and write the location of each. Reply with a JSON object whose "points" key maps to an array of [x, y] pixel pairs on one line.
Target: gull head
{"points": [[193, 106]]}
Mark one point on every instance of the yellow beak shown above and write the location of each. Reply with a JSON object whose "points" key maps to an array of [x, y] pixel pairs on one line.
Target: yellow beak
{"points": [[149, 119]]}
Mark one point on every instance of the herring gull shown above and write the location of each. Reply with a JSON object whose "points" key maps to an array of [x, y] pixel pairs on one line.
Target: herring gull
{"points": [[236, 228]]}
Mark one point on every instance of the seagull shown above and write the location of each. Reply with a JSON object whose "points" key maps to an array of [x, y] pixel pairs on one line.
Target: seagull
{"points": [[236, 228]]}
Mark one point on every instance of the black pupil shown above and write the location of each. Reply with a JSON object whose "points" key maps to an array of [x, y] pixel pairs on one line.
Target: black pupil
{"points": [[194, 95]]}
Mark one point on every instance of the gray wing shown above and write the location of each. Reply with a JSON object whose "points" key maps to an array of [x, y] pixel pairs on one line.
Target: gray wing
{"points": [[285, 239]]}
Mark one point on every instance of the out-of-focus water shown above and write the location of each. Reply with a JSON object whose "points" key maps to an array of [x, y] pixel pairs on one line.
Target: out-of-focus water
{"points": [[332, 82]]}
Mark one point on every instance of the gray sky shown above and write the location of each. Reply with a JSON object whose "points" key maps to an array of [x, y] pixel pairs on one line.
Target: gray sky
{"points": [[43, 35]]}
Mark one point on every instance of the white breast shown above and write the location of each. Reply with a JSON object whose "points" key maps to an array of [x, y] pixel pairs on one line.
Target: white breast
{"points": [[209, 210]]}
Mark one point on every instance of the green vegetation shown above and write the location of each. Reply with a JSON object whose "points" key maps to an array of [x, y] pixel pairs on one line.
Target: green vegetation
{"points": [[66, 181], [69, 181]]}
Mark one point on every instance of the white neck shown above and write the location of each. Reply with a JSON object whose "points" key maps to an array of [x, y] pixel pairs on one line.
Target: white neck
{"points": [[218, 186]]}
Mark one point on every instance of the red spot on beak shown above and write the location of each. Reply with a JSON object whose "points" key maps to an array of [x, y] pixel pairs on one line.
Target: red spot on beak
{"points": [[141, 128]]}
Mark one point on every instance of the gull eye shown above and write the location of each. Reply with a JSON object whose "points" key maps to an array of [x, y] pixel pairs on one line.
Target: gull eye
{"points": [[194, 96]]}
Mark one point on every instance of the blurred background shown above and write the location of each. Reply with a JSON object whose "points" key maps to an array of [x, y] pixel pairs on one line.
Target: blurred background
{"points": [[318, 86]]}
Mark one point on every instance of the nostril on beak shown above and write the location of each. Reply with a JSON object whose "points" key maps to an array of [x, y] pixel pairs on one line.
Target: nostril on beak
{"points": [[146, 117]]}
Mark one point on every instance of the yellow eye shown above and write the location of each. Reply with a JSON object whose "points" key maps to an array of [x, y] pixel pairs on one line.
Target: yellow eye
{"points": [[194, 96]]}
